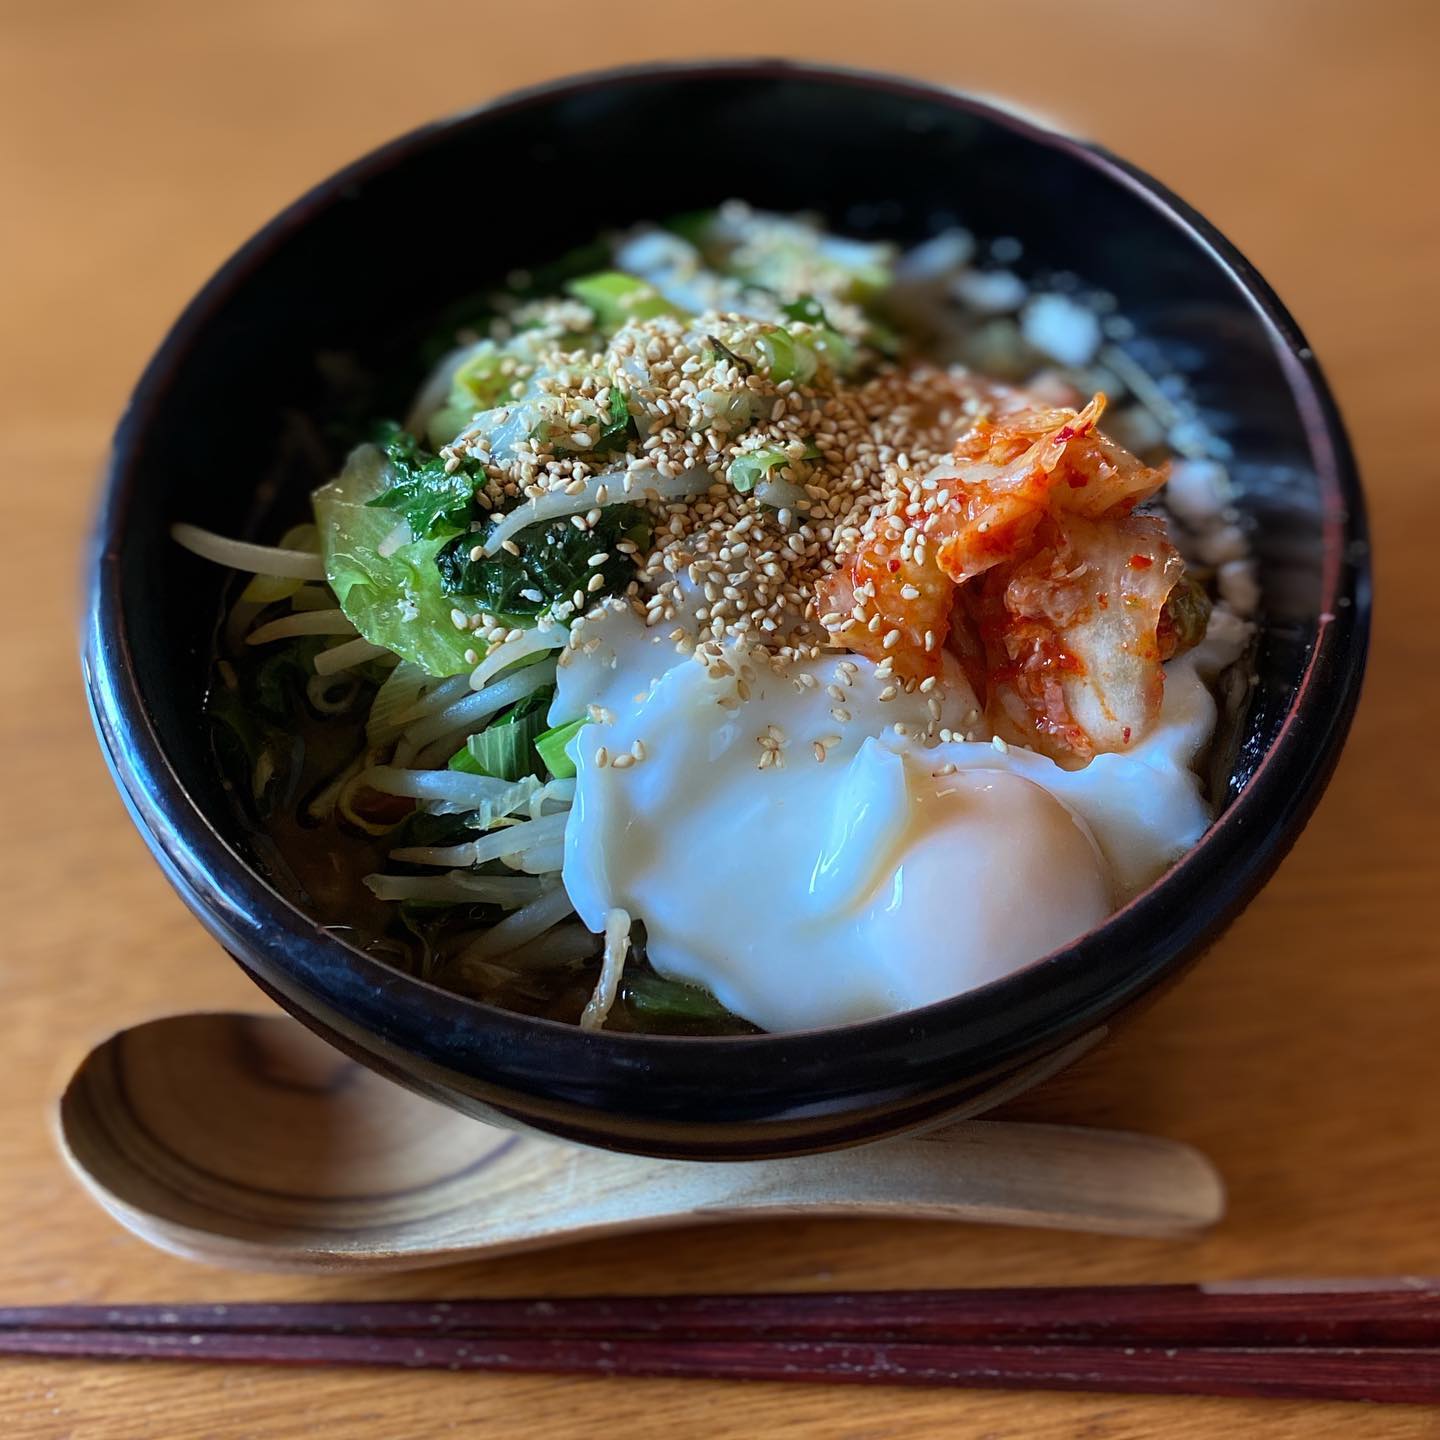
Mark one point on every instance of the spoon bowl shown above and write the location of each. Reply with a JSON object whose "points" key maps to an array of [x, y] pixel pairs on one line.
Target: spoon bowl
{"points": [[243, 1140]]}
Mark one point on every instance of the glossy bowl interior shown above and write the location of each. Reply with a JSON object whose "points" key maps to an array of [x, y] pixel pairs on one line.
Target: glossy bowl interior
{"points": [[314, 323]]}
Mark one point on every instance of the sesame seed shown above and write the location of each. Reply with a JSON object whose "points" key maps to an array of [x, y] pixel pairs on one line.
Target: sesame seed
{"points": [[596, 582], [599, 558], [602, 757], [891, 640], [637, 749], [622, 762]]}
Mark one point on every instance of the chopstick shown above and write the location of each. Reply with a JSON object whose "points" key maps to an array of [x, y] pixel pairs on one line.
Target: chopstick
{"points": [[1397, 1313], [1376, 1343]]}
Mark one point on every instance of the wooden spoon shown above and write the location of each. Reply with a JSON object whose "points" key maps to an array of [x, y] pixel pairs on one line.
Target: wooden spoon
{"points": [[243, 1140]]}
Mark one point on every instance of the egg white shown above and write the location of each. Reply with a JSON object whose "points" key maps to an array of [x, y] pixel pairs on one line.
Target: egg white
{"points": [[895, 872]]}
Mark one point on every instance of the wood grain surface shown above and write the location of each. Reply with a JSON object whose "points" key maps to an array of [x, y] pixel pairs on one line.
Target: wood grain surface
{"points": [[140, 142]]}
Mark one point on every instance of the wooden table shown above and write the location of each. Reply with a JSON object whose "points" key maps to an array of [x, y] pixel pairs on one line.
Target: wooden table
{"points": [[142, 142]]}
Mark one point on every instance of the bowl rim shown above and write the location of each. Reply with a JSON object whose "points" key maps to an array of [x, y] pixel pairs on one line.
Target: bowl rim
{"points": [[1234, 858]]}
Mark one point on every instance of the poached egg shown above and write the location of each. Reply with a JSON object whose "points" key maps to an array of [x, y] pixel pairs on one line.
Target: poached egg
{"points": [[799, 844]]}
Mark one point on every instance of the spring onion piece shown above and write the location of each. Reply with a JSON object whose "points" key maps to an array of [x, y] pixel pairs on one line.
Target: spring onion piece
{"points": [[754, 465], [617, 298], [551, 747], [649, 994]]}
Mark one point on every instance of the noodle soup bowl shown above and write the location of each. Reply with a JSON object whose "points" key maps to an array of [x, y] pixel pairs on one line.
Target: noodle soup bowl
{"points": [[245, 407]]}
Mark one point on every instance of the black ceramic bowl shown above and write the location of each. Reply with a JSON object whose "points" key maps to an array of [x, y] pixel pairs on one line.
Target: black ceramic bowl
{"points": [[337, 288]]}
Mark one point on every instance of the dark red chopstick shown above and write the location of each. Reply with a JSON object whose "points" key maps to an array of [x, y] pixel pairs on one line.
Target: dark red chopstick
{"points": [[1375, 1374], [1390, 1314], [1380, 1343]]}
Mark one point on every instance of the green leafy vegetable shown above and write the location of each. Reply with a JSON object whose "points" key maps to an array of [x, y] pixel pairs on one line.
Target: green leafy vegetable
{"points": [[550, 745], [261, 759], [748, 470], [436, 504], [806, 308], [651, 997], [278, 680], [394, 599], [553, 563], [618, 298], [506, 747], [617, 430]]}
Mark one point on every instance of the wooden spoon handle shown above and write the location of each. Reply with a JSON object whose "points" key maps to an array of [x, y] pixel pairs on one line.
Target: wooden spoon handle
{"points": [[1049, 1176]]}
